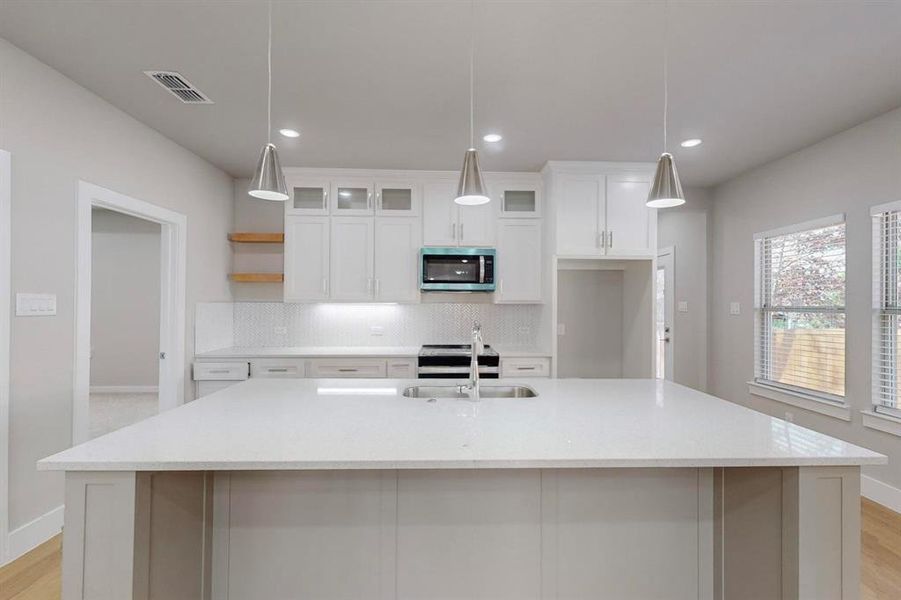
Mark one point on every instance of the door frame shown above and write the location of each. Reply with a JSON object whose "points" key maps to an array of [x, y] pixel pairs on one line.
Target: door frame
{"points": [[669, 302], [173, 270], [5, 325]]}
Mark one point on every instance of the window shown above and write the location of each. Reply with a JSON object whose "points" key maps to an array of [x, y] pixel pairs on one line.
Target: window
{"points": [[800, 308], [887, 307]]}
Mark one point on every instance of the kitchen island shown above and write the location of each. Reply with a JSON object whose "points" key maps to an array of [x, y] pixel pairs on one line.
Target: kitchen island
{"points": [[304, 488]]}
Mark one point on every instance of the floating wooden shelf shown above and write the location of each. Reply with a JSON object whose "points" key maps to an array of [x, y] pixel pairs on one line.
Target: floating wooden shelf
{"points": [[257, 277], [257, 238]]}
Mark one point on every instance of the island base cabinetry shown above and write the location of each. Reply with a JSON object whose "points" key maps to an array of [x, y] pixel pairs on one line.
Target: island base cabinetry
{"points": [[631, 533]]}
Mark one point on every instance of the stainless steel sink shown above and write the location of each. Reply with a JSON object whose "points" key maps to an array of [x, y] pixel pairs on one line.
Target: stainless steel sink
{"points": [[456, 391]]}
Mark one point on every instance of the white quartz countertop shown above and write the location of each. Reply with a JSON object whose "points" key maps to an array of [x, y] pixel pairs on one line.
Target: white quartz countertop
{"points": [[310, 351], [266, 424]]}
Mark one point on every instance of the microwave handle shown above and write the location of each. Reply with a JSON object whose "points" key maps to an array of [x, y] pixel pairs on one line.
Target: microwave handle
{"points": [[482, 269]]}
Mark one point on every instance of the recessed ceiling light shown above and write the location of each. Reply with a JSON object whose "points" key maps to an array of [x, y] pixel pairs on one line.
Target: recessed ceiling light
{"points": [[493, 137], [691, 143], [291, 133]]}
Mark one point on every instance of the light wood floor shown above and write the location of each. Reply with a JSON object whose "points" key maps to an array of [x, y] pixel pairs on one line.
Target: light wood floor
{"points": [[36, 576]]}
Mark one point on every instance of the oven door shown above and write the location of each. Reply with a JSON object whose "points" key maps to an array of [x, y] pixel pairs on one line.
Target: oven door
{"points": [[458, 269]]}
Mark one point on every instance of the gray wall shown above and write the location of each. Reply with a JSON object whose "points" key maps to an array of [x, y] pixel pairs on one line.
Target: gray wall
{"points": [[59, 133], [125, 300], [257, 216], [686, 229], [847, 173]]}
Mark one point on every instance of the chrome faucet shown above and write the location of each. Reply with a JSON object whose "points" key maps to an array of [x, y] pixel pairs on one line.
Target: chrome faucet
{"points": [[477, 348]]}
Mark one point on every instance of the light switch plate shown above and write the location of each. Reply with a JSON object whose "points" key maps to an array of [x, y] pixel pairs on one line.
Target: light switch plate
{"points": [[683, 306], [561, 328], [734, 308], [377, 330], [35, 305]]}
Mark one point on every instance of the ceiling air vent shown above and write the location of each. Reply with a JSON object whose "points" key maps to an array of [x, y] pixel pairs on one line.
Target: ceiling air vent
{"points": [[178, 86]]}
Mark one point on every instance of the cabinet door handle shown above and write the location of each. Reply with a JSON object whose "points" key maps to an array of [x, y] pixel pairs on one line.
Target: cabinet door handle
{"points": [[218, 371], [454, 231], [324, 285], [610, 239], [369, 200], [369, 286], [347, 370], [378, 287], [461, 230], [277, 370], [378, 200], [525, 368]]}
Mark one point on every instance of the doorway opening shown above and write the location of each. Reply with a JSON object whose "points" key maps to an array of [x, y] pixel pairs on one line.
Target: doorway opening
{"points": [[130, 311], [664, 313]]}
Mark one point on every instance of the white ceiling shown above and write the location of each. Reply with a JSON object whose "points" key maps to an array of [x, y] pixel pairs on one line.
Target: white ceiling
{"points": [[383, 84]]}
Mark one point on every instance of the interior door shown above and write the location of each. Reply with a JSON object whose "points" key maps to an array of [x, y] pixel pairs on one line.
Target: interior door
{"points": [[628, 218], [351, 258], [397, 243], [665, 313], [579, 217], [519, 261], [439, 214], [306, 258]]}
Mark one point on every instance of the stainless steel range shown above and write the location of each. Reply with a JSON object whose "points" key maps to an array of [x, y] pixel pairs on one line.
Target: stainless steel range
{"points": [[451, 361]]}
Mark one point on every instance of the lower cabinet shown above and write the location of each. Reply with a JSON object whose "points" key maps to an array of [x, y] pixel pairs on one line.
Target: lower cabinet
{"points": [[211, 377], [526, 367], [277, 368], [348, 367]]}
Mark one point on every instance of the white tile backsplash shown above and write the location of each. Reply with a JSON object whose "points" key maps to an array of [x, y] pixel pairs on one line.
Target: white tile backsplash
{"points": [[275, 324]]}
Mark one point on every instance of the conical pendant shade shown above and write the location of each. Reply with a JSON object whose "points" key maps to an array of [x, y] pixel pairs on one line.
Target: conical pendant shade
{"points": [[268, 181], [471, 189], [666, 191]]}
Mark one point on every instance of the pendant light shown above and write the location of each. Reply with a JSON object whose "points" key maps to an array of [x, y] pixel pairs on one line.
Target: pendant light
{"points": [[471, 189], [666, 191], [268, 181]]}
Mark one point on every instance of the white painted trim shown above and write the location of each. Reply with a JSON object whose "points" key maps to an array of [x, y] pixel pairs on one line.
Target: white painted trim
{"points": [[173, 271], [880, 492], [881, 422], [812, 224], [800, 400], [884, 208], [5, 293], [125, 389], [35, 532]]}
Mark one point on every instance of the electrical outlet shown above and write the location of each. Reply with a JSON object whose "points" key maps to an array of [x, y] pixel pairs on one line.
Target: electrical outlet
{"points": [[377, 330], [683, 306], [734, 308], [561, 328], [35, 305], [280, 330]]}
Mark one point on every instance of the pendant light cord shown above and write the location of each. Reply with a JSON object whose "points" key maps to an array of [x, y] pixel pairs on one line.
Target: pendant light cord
{"points": [[665, 69], [269, 68], [472, 59]]}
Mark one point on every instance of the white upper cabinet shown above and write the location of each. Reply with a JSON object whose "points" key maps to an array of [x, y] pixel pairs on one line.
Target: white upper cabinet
{"points": [[517, 200], [629, 220], [308, 197], [350, 254], [604, 215], [445, 223], [393, 199], [397, 243], [519, 261], [580, 215], [439, 214], [351, 197], [306, 258]]}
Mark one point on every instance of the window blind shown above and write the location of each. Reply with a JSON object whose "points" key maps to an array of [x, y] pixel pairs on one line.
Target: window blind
{"points": [[800, 309], [887, 310]]}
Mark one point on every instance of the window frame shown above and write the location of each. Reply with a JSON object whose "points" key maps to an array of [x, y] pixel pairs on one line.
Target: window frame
{"points": [[880, 308], [761, 332]]}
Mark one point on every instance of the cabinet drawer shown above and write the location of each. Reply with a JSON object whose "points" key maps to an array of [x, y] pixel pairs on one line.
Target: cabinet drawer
{"points": [[220, 371], [277, 367], [402, 368], [347, 367], [525, 367]]}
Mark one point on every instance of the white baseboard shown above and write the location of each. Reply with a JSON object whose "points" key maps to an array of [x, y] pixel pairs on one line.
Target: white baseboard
{"points": [[34, 533], [124, 389], [880, 492]]}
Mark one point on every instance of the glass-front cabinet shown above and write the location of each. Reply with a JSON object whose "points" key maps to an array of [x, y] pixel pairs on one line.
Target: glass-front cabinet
{"points": [[308, 197], [397, 199], [518, 200], [352, 198]]}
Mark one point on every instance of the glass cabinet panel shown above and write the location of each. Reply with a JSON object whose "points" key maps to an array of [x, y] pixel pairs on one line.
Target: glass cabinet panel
{"points": [[520, 201], [396, 199], [310, 198], [353, 198]]}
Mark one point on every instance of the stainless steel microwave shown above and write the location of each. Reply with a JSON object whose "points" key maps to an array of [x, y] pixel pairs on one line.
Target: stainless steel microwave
{"points": [[458, 269]]}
